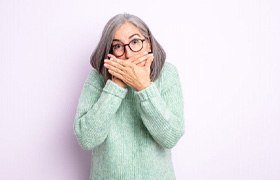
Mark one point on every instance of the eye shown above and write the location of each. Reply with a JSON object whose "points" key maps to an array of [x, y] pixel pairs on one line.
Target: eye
{"points": [[135, 41], [117, 46]]}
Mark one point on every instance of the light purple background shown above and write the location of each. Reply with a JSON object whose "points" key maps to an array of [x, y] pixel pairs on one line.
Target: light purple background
{"points": [[227, 53]]}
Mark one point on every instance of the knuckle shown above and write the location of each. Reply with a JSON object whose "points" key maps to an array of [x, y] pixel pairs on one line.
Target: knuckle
{"points": [[126, 69]]}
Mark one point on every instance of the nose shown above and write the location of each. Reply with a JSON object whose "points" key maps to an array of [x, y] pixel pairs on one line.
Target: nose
{"points": [[128, 53]]}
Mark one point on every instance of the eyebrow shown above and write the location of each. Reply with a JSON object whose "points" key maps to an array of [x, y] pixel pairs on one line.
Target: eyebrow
{"points": [[136, 34]]}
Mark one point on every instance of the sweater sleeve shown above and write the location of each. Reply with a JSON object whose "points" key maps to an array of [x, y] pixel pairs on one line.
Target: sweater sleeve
{"points": [[96, 108], [162, 113]]}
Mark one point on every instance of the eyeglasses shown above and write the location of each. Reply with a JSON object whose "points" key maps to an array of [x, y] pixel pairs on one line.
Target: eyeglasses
{"points": [[134, 45]]}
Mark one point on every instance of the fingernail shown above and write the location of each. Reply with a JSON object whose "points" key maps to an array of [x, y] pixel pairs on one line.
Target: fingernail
{"points": [[106, 60]]}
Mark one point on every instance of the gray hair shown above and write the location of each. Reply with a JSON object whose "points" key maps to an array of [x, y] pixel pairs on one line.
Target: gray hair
{"points": [[104, 46]]}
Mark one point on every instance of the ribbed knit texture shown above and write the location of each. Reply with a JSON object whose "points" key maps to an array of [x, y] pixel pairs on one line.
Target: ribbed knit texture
{"points": [[131, 133]]}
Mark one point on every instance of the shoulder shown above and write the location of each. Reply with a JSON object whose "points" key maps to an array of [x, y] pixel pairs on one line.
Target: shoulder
{"points": [[169, 73], [169, 69], [95, 79], [168, 77]]}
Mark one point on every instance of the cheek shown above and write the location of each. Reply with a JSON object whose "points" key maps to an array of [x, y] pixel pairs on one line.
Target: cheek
{"points": [[122, 57], [147, 48]]}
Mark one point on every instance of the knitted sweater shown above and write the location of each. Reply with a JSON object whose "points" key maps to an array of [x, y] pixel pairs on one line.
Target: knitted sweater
{"points": [[130, 132]]}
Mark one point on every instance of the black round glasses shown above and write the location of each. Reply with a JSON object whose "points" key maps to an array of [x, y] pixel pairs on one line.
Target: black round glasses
{"points": [[135, 45]]}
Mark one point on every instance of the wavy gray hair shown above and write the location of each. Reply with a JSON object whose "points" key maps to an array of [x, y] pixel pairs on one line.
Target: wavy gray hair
{"points": [[104, 46]]}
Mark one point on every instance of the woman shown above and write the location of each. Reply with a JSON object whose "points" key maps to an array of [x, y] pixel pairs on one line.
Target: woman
{"points": [[130, 111]]}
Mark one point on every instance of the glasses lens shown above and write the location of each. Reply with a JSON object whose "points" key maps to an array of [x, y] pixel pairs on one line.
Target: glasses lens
{"points": [[118, 49], [136, 45]]}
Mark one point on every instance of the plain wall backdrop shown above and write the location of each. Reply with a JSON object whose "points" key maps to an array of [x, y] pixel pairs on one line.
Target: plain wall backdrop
{"points": [[227, 54]]}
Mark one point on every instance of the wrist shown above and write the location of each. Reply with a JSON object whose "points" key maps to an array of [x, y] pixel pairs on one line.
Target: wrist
{"points": [[144, 86], [119, 82]]}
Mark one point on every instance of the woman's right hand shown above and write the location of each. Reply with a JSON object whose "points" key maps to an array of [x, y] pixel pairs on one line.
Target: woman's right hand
{"points": [[139, 60], [119, 82]]}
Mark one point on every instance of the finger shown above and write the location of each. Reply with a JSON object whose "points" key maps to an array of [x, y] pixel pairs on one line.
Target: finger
{"points": [[135, 57], [143, 58], [124, 63], [114, 59], [125, 79], [142, 64], [114, 68], [114, 64], [116, 75], [149, 61], [111, 56]]}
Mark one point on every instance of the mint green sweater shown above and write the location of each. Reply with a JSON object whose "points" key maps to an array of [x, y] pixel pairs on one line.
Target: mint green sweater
{"points": [[131, 133]]}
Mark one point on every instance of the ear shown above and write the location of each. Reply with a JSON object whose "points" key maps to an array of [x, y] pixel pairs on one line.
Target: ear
{"points": [[149, 46]]}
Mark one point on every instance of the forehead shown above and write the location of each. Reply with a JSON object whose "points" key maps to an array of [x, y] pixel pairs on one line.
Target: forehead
{"points": [[125, 31]]}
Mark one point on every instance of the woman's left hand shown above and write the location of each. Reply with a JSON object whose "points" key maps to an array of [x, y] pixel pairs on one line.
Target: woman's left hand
{"points": [[136, 76]]}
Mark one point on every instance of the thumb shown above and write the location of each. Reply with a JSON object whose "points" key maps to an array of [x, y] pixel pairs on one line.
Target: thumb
{"points": [[149, 61]]}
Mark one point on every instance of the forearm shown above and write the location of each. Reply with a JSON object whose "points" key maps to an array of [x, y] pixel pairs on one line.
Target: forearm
{"points": [[162, 114], [92, 120]]}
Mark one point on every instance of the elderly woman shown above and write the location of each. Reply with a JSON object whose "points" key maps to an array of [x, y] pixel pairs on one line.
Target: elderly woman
{"points": [[130, 111]]}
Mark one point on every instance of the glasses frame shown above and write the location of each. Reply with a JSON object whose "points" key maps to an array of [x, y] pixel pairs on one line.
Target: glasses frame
{"points": [[128, 44]]}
